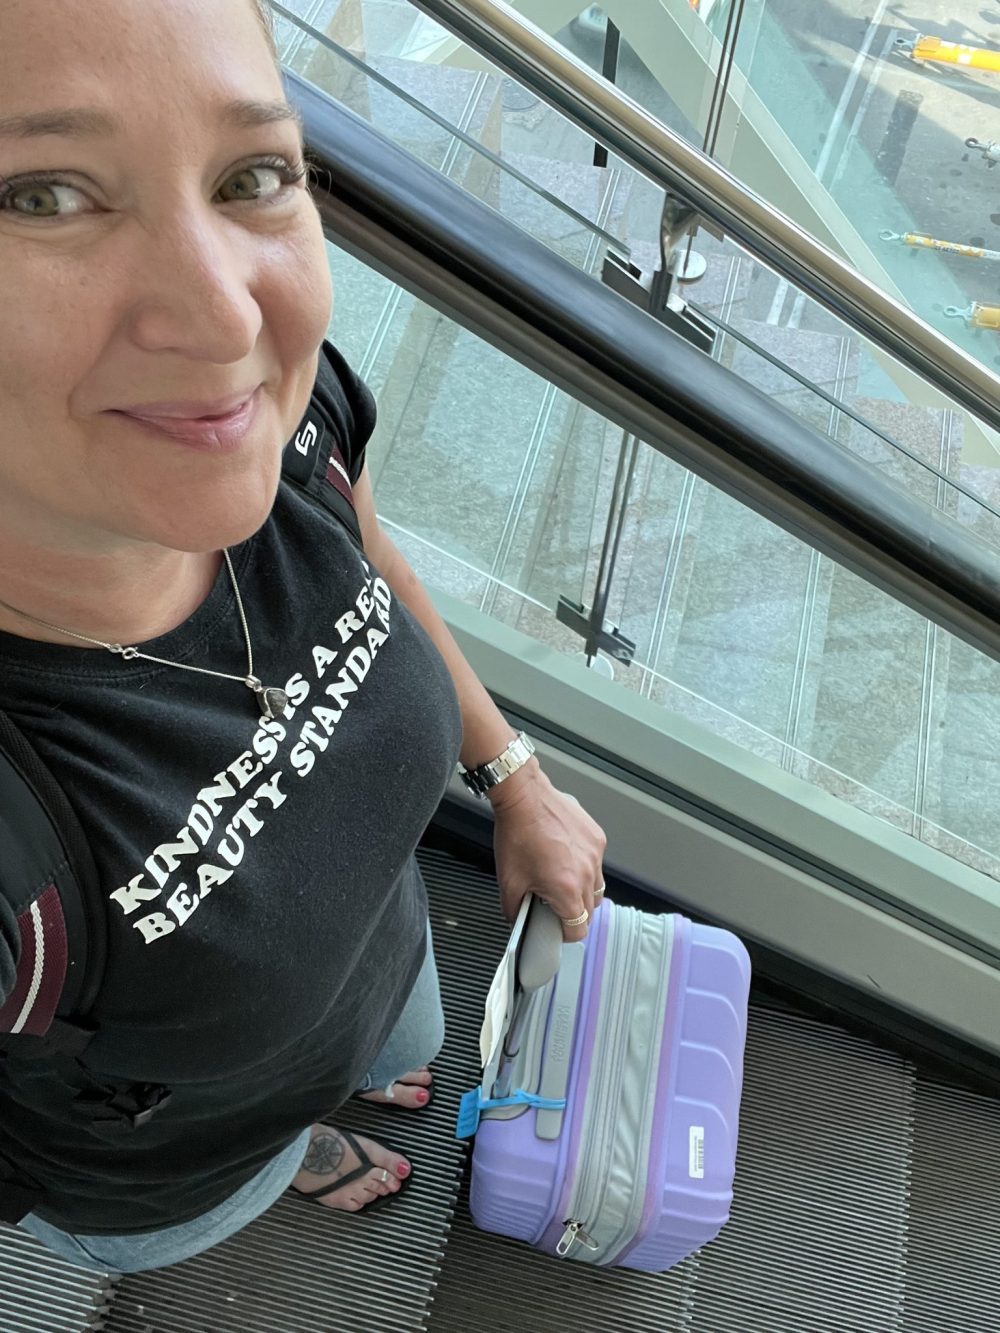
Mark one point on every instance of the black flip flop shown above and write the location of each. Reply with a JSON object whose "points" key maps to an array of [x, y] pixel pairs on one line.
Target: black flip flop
{"points": [[366, 1165]]}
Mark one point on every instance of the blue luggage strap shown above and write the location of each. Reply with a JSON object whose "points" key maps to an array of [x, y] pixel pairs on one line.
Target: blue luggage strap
{"points": [[473, 1104]]}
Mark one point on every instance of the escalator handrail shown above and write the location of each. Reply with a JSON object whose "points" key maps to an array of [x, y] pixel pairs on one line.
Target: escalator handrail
{"points": [[425, 232], [526, 53]]}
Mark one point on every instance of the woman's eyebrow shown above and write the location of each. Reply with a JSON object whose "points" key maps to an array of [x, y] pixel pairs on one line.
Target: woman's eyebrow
{"points": [[88, 122]]}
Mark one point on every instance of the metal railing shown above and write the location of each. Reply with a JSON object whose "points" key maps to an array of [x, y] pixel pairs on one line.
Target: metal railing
{"points": [[527, 54], [425, 232]]}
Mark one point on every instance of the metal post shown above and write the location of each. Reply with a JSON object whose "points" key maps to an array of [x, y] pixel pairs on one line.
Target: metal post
{"points": [[617, 510], [612, 43]]}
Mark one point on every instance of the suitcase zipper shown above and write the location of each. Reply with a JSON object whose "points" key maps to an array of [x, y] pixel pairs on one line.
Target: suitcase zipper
{"points": [[604, 1129], [603, 1091], [575, 1235]]}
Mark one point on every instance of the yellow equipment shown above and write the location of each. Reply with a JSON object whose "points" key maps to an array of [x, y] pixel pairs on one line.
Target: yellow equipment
{"points": [[937, 51], [917, 238]]}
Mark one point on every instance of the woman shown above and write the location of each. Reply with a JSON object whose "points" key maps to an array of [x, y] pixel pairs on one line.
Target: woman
{"points": [[165, 297]]}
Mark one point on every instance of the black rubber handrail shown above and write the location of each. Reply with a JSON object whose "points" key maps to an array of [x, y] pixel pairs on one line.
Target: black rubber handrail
{"points": [[423, 231]]}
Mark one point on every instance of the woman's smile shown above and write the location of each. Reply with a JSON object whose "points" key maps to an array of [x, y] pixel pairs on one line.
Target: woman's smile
{"points": [[215, 431]]}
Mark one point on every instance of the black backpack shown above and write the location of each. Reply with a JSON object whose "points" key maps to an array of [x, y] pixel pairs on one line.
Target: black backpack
{"points": [[49, 890]]}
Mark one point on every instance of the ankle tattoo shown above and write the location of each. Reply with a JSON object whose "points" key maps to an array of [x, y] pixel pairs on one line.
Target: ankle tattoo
{"points": [[324, 1154]]}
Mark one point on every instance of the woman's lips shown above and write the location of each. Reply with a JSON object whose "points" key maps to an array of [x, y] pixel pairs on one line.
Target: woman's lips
{"points": [[216, 434]]}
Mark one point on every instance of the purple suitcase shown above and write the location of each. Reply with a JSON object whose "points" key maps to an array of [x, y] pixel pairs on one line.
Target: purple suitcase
{"points": [[608, 1134]]}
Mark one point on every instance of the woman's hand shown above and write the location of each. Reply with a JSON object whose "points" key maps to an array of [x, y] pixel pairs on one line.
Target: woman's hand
{"points": [[545, 843]]}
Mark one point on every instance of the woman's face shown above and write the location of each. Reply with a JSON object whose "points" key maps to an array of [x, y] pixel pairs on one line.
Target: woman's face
{"points": [[155, 251]]}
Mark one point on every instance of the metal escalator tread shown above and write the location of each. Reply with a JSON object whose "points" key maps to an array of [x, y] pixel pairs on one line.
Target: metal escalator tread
{"points": [[42, 1294], [867, 1201]]}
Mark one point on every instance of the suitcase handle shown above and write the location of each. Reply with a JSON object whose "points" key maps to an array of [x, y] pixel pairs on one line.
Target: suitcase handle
{"points": [[541, 947]]}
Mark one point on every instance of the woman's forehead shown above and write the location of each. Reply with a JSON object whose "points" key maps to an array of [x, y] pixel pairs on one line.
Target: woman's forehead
{"points": [[132, 53]]}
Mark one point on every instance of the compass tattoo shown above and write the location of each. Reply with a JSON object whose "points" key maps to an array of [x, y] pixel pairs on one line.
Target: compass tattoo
{"points": [[325, 1154]]}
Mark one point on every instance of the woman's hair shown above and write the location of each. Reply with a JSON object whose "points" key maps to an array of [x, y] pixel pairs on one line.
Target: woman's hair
{"points": [[267, 23]]}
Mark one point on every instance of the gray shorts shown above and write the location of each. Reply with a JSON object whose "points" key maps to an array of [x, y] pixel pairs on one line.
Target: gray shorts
{"points": [[415, 1040]]}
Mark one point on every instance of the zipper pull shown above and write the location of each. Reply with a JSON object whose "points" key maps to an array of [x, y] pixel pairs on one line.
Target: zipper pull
{"points": [[574, 1235]]}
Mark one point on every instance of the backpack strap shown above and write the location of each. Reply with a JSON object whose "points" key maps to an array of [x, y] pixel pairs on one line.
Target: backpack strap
{"points": [[340, 410], [49, 887]]}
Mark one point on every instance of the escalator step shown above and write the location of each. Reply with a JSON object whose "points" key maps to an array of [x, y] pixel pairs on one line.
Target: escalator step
{"points": [[42, 1294], [867, 1201], [953, 1278]]}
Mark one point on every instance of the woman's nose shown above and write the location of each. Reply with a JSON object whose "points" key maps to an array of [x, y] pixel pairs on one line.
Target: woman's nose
{"points": [[194, 290]]}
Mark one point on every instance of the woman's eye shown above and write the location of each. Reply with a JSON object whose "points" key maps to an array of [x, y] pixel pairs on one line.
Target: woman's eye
{"points": [[47, 198], [41, 199], [260, 182]]}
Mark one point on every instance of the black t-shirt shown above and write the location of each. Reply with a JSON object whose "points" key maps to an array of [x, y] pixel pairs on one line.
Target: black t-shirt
{"points": [[266, 918]]}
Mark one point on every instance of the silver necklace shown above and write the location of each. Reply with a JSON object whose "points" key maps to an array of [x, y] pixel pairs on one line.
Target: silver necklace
{"points": [[272, 701]]}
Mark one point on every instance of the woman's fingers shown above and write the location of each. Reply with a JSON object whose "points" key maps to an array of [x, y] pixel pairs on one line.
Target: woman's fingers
{"points": [[577, 912], [545, 843], [575, 927]]}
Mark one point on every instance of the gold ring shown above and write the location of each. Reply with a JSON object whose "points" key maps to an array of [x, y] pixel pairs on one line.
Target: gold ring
{"points": [[598, 892], [580, 920]]}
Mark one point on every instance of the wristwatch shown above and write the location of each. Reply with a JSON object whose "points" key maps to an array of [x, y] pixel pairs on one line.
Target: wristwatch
{"points": [[480, 780]]}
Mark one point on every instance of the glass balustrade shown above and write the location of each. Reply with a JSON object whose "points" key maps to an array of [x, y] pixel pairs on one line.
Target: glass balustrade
{"points": [[371, 58], [824, 373], [822, 109], [428, 92], [498, 487]]}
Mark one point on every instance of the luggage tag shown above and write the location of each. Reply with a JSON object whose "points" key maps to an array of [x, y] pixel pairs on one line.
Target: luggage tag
{"points": [[530, 960]]}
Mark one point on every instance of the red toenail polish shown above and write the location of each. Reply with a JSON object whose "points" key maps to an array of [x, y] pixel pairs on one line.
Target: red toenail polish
{"points": [[403, 1169], [422, 1096]]}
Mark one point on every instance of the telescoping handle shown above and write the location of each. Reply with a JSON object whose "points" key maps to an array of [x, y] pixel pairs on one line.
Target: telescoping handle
{"points": [[541, 947]]}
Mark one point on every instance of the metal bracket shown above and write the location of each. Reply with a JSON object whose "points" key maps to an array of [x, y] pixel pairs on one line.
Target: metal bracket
{"points": [[575, 616], [659, 294], [624, 278], [990, 151]]}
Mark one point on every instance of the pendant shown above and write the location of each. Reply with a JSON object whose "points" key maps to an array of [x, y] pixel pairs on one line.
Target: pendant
{"points": [[272, 701]]}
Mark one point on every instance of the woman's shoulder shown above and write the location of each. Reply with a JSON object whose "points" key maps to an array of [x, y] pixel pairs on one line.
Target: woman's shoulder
{"points": [[348, 404]]}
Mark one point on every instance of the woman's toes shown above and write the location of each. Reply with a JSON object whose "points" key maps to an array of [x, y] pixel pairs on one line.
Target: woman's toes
{"points": [[411, 1090]]}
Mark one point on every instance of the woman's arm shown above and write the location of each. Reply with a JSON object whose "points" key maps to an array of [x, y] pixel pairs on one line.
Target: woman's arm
{"points": [[544, 843]]}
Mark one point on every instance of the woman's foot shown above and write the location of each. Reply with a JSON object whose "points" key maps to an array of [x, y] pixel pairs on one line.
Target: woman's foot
{"points": [[331, 1156], [412, 1090]]}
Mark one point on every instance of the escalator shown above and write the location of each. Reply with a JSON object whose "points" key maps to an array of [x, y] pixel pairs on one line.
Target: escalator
{"points": [[867, 1200], [749, 615]]}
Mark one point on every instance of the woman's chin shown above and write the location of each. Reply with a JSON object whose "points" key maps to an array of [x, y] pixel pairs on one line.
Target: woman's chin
{"points": [[211, 522]]}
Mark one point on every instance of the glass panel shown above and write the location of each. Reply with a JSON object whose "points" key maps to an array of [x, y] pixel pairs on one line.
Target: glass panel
{"points": [[454, 119], [864, 147], [738, 625], [826, 374], [491, 481], [885, 138], [824, 116], [750, 633], [497, 488], [770, 333]]}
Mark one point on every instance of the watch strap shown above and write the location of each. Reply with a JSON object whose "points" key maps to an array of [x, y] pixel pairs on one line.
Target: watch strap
{"points": [[482, 779]]}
